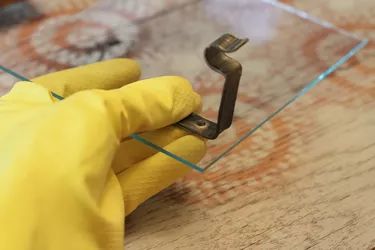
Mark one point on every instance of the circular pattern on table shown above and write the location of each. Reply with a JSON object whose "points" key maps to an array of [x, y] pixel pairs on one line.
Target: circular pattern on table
{"points": [[81, 39], [65, 41]]}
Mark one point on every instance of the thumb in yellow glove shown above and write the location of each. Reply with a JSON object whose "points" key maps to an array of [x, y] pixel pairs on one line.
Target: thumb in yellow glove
{"points": [[69, 173]]}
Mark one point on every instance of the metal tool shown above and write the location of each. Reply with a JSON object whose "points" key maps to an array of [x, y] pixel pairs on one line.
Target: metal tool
{"points": [[218, 61]]}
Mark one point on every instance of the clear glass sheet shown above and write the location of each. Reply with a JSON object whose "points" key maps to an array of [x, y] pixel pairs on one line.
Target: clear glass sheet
{"points": [[289, 52], [6, 81]]}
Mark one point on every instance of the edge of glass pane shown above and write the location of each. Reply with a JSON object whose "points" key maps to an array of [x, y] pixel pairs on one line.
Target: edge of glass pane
{"points": [[135, 136], [362, 42], [303, 91], [307, 16], [308, 87]]}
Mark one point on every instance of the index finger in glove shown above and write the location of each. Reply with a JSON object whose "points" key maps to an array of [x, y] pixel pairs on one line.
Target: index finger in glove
{"points": [[110, 74], [141, 106]]}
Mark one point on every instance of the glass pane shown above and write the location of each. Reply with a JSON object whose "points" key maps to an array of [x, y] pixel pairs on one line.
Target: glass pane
{"points": [[288, 53], [6, 81]]}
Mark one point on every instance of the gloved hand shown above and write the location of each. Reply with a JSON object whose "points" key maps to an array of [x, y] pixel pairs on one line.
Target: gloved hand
{"points": [[69, 173]]}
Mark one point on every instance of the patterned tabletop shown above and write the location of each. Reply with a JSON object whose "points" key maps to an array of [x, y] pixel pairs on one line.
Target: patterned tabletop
{"points": [[304, 180]]}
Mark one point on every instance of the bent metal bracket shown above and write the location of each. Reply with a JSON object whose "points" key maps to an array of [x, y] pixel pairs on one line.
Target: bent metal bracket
{"points": [[218, 61]]}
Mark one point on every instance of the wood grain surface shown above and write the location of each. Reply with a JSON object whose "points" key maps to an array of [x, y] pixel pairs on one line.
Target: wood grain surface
{"points": [[322, 193], [314, 187]]}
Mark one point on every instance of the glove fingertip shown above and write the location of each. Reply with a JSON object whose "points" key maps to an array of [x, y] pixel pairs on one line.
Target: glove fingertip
{"points": [[185, 98]]}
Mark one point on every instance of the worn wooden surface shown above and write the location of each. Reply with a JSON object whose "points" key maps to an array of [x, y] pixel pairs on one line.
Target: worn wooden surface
{"points": [[314, 189], [309, 179]]}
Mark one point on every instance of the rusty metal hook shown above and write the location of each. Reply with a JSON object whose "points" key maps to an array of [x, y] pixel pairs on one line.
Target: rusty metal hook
{"points": [[218, 61]]}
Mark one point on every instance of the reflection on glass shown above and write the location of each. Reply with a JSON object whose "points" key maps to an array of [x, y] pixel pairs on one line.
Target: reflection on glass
{"points": [[288, 52]]}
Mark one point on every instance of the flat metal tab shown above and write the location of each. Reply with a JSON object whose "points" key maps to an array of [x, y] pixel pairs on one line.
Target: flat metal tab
{"points": [[218, 61]]}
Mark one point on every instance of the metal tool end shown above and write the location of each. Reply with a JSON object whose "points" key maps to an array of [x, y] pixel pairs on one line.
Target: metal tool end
{"points": [[200, 126], [229, 43]]}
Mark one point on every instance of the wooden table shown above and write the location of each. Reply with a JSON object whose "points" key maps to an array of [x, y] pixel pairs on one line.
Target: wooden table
{"points": [[314, 189]]}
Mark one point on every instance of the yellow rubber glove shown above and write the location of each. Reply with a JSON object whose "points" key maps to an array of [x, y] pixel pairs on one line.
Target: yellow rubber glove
{"points": [[69, 173]]}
